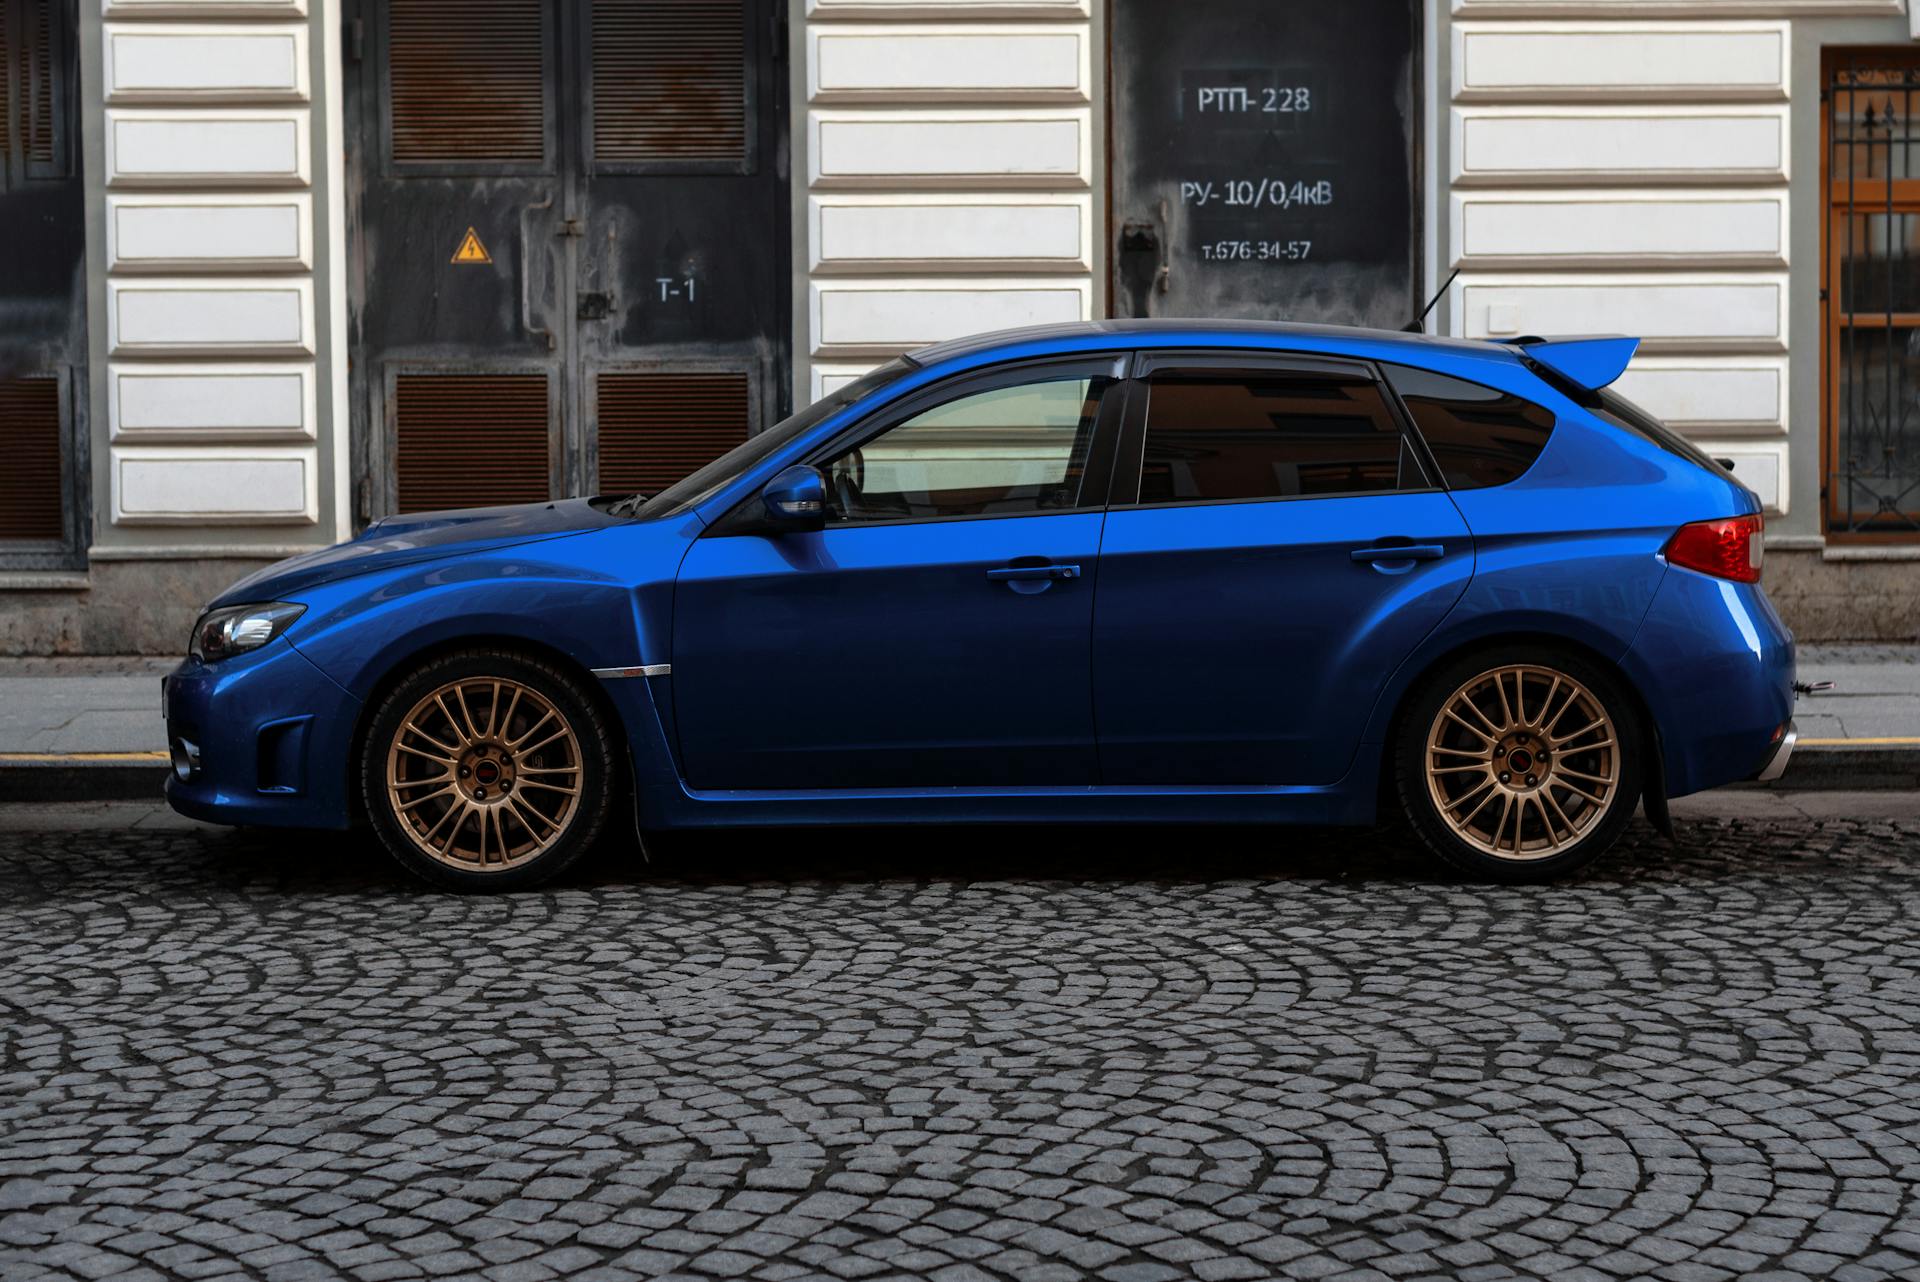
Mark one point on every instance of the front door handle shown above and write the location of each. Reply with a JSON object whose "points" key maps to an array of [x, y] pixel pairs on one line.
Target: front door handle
{"points": [[1025, 572], [1401, 552]]}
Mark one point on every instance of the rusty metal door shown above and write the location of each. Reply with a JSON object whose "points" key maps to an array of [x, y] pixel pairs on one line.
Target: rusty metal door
{"points": [[43, 327], [571, 242], [1265, 161]]}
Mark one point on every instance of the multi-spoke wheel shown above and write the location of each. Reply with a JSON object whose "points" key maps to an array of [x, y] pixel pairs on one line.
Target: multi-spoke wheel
{"points": [[1521, 764], [487, 769]]}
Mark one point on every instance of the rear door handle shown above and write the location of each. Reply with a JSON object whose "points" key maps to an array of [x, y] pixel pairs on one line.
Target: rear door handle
{"points": [[1014, 572], [1404, 552]]}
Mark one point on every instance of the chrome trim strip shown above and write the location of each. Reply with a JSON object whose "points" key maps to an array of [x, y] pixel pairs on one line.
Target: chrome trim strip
{"points": [[1778, 765], [645, 670]]}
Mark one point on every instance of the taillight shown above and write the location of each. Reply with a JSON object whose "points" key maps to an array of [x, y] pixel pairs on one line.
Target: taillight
{"points": [[1729, 549]]}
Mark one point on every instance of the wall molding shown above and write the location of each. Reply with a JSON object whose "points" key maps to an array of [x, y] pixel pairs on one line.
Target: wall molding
{"points": [[1620, 63], [214, 486]]}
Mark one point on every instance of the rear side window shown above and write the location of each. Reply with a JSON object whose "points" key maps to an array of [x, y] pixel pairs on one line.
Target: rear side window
{"points": [[1478, 435], [1270, 435]]}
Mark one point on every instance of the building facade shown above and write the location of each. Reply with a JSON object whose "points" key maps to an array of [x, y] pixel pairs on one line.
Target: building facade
{"points": [[272, 269]]}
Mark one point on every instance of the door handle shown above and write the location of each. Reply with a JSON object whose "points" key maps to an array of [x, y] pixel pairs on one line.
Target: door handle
{"points": [[526, 278], [1023, 572], [1403, 552]]}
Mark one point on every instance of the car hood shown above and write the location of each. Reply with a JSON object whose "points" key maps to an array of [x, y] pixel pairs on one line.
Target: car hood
{"points": [[422, 536]]}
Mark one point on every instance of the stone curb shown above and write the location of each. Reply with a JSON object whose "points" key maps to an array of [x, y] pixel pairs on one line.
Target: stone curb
{"points": [[82, 776]]}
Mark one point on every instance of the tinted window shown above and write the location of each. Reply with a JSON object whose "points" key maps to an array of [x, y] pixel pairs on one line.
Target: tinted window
{"points": [[1283, 434], [1006, 451], [1479, 436]]}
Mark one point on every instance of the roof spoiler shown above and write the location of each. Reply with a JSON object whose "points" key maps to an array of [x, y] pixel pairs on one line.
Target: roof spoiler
{"points": [[1591, 361]]}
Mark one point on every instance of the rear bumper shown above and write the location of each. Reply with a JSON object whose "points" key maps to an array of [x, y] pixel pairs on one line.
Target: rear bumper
{"points": [[1715, 665], [1777, 764]]}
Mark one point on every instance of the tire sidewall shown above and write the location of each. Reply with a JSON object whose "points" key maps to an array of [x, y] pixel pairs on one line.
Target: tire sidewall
{"points": [[1410, 761], [590, 729]]}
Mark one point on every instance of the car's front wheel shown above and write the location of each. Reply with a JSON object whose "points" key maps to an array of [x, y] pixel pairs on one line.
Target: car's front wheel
{"points": [[1520, 764], [487, 770]]}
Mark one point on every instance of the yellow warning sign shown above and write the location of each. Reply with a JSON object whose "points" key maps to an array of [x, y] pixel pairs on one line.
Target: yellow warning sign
{"points": [[471, 250]]}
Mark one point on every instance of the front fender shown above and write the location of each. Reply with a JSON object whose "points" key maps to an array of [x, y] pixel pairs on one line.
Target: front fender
{"points": [[360, 639], [601, 599]]}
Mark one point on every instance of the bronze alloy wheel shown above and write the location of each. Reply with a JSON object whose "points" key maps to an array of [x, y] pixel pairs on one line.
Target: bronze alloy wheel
{"points": [[1522, 762], [484, 774]]}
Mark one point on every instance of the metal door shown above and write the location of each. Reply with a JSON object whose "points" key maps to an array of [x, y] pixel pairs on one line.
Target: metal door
{"points": [[1264, 160], [571, 244], [43, 328]]}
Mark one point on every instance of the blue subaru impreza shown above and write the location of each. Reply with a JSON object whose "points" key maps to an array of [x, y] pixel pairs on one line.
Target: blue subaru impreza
{"points": [[1136, 572]]}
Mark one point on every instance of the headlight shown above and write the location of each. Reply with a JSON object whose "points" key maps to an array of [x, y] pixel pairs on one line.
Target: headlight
{"points": [[221, 634]]}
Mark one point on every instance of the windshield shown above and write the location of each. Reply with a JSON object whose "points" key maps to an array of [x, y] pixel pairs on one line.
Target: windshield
{"points": [[683, 494]]}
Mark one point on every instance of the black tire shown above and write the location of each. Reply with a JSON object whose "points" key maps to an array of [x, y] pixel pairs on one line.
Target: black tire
{"points": [[554, 828], [1559, 827]]}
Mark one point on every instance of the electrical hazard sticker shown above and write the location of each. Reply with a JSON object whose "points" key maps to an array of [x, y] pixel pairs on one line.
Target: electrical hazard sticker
{"points": [[471, 250]]}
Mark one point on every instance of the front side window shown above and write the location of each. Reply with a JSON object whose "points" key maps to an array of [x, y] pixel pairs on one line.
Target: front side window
{"points": [[1479, 436], [1004, 452], [1271, 435]]}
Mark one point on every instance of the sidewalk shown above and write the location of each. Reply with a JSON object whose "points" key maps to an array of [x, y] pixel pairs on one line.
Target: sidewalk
{"points": [[82, 729], [90, 729]]}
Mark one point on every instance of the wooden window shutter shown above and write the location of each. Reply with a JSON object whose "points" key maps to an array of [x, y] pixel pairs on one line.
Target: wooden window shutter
{"points": [[32, 496], [470, 440], [657, 428], [670, 81], [467, 80]]}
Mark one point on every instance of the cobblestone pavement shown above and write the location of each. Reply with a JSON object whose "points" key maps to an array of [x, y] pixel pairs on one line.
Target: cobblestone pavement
{"points": [[959, 1056]]}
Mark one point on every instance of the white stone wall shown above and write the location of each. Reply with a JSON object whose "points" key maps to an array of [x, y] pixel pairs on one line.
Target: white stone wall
{"points": [[1623, 166], [950, 168], [209, 309]]}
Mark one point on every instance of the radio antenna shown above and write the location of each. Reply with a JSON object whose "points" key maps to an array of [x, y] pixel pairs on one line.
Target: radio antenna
{"points": [[1419, 323]]}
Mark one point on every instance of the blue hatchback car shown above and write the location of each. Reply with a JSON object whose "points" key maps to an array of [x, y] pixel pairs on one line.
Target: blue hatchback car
{"points": [[1116, 571]]}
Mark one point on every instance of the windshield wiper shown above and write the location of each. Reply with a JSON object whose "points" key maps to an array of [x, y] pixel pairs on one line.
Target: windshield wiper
{"points": [[629, 505]]}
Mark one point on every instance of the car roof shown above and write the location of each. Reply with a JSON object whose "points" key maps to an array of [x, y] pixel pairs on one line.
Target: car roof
{"points": [[1157, 333]]}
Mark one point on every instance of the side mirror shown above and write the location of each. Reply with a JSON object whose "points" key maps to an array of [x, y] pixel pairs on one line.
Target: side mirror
{"points": [[796, 499]]}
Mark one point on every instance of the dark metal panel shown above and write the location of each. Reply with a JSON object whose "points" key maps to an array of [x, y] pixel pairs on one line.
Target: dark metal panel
{"points": [[670, 83], [655, 428], [44, 512], [665, 252], [1265, 160], [467, 81], [466, 440], [31, 490], [38, 88]]}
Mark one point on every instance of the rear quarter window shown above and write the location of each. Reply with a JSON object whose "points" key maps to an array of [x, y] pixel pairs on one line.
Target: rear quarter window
{"points": [[1480, 436]]}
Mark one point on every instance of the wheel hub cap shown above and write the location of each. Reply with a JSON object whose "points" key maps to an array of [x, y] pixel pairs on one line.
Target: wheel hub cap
{"points": [[484, 774], [1522, 761]]}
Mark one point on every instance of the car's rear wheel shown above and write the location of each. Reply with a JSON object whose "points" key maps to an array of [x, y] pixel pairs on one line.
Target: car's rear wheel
{"points": [[487, 770], [1520, 764]]}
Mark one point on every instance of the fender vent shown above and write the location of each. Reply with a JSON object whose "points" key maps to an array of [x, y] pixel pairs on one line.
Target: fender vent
{"points": [[469, 440], [657, 428], [30, 488], [670, 81]]}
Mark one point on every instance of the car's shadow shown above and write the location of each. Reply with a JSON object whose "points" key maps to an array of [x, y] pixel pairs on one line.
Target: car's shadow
{"points": [[323, 862]]}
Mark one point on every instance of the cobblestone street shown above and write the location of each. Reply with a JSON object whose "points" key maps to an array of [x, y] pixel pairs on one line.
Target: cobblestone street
{"points": [[1220, 1055]]}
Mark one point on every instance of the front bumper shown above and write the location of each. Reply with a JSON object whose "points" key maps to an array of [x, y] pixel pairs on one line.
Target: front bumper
{"points": [[1782, 753], [270, 737]]}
